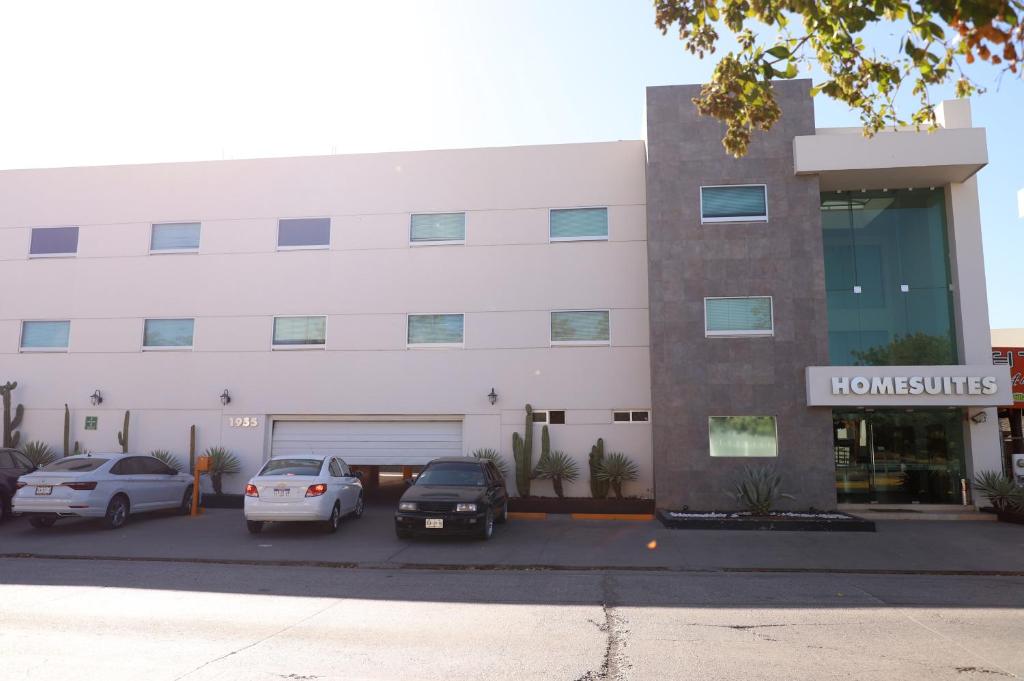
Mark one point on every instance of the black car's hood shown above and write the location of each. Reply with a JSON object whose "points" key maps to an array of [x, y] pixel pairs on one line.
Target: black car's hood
{"points": [[443, 493]]}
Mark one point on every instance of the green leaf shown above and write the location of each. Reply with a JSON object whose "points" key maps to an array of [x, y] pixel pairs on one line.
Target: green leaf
{"points": [[779, 52]]}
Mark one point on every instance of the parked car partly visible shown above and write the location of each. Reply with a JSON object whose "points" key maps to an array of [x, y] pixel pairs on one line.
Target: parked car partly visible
{"points": [[107, 486], [459, 495], [13, 464], [301, 488]]}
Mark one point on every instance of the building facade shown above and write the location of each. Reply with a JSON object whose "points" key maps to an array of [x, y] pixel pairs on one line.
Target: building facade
{"points": [[694, 311]]}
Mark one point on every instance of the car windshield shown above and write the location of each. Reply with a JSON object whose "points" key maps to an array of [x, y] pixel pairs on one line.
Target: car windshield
{"points": [[452, 474], [292, 467], [74, 465]]}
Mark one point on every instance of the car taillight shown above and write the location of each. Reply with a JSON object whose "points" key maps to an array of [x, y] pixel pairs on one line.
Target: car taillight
{"points": [[251, 491], [19, 484], [316, 490], [80, 485]]}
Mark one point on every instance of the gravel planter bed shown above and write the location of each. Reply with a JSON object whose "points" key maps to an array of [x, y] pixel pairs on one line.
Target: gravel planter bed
{"points": [[579, 505], [832, 521]]}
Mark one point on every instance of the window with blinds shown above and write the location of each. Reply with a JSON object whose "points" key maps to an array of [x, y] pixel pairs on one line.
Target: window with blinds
{"points": [[175, 237], [167, 333], [53, 241], [747, 316], [297, 233], [580, 326], [428, 228], [734, 203], [578, 224], [45, 335], [291, 332], [436, 329]]}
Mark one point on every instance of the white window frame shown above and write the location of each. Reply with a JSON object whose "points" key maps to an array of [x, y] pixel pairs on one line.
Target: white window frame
{"points": [[631, 412], [775, 420], [555, 344], [167, 348], [317, 247], [173, 251], [21, 337], [73, 254], [736, 334], [307, 346], [431, 346], [564, 239], [443, 242], [752, 218]]}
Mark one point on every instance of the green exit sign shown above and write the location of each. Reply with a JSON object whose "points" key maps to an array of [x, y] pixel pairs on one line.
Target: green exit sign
{"points": [[91, 421]]}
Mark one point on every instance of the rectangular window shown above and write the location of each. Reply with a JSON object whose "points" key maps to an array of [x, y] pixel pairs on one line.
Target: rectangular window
{"points": [[437, 228], [580, 326], [168, 333], [746, 316], [175, 237], [638, 416], [579, 224], [735, 203], [54, 241], [298, 233], [556, 416], [42, 336], [540, 416], [436, 329], [300, 332], [746, 436]]}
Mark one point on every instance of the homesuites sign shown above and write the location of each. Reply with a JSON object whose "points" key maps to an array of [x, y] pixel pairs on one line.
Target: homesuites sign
{"points": [[909, 386]]}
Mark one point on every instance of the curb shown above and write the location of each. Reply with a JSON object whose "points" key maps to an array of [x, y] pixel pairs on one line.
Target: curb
{"points": [[612, 516]]}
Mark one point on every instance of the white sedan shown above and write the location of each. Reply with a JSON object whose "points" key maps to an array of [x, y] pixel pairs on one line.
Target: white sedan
{"points": [[303, 488], [108, 486]]}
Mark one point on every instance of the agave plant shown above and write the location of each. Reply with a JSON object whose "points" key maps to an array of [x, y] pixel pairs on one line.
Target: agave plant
{"points": [[222, 462], [167, 458], [493, 456], [1001, 491], [758, 489], [616, 469], [39, 453], [557, 467]]}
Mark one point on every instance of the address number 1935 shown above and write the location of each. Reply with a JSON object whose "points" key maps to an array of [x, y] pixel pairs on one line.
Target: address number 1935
{"points": [[243, 421]]}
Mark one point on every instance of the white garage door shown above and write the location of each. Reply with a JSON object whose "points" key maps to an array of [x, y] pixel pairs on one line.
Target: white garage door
{"points": [[382, 443]]}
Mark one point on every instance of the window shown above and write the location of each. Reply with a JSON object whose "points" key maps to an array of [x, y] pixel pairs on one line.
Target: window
{"points": [[552, 416], [748, 436], [300, 332], [639, 416], [747, 316], [540, 416], [44, 336], [436, 329], [578, 224], [288, 467], [580, 327], [76, 465], [438, 228], [335, 469], [150, 466], [299, 233], [734, 203], [54, 241], [168, 334], [175, 237]]}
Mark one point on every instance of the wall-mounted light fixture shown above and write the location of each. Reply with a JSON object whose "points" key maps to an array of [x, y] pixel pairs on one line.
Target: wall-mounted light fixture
{"points": [[96, 398], [225, 397], [492, 396], [980, 417]]}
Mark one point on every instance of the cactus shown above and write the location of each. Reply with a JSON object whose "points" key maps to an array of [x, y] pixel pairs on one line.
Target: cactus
{"points": [[122, 436], [598, 488], [192, 449], [67, 430], [522, 452], [78, 449], [11, 434]]}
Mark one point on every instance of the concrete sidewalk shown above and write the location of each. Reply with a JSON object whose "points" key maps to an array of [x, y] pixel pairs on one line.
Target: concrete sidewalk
{"points": [[557, 542]]}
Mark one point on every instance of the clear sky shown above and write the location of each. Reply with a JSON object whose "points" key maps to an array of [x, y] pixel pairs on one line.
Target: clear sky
{"points": [[129, 82]]}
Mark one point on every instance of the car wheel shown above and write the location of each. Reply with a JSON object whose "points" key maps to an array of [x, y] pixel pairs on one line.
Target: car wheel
{"points": [[42, 521], [186, 502], [332, 523], [503, 518], [487, 528], [117, 512], [402, 533], [254, 526], [358, 512]]}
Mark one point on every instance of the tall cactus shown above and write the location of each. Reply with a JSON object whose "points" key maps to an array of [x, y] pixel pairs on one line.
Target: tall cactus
{"points": [[11, 434], [522, 452], [67, 430], [122, 436], [545, 449], [598, 488], [192, 449]]}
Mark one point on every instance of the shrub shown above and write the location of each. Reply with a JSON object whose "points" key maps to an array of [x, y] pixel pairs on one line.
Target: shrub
{"points": [[1002, 492], [167, 458], [758, 489], [493, 456], [222, 462], [557, 467], [39, 453], [616, 469]]}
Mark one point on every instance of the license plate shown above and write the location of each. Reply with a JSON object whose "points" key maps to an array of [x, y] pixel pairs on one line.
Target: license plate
{"points": [[435, 523], [42, 490], [281, 492]]}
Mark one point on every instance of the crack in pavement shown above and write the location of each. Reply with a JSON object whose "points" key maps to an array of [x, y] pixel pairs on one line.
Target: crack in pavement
{"points": [[613, 665]]}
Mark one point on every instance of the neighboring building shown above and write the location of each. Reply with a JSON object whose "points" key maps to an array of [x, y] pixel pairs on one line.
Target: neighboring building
{"points": [[1008, 350], [657, 294]]}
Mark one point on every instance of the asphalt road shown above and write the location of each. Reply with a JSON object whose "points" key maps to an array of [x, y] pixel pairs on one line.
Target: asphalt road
{"points": [[95, 619]]}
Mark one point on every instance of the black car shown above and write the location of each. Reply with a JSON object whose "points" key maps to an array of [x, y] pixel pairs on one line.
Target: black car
{"points": [[453, 496], [12, 464]]}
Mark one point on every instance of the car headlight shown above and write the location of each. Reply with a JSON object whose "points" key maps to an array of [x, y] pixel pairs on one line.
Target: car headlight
{"points": [[465, 508], [407, 506]]}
